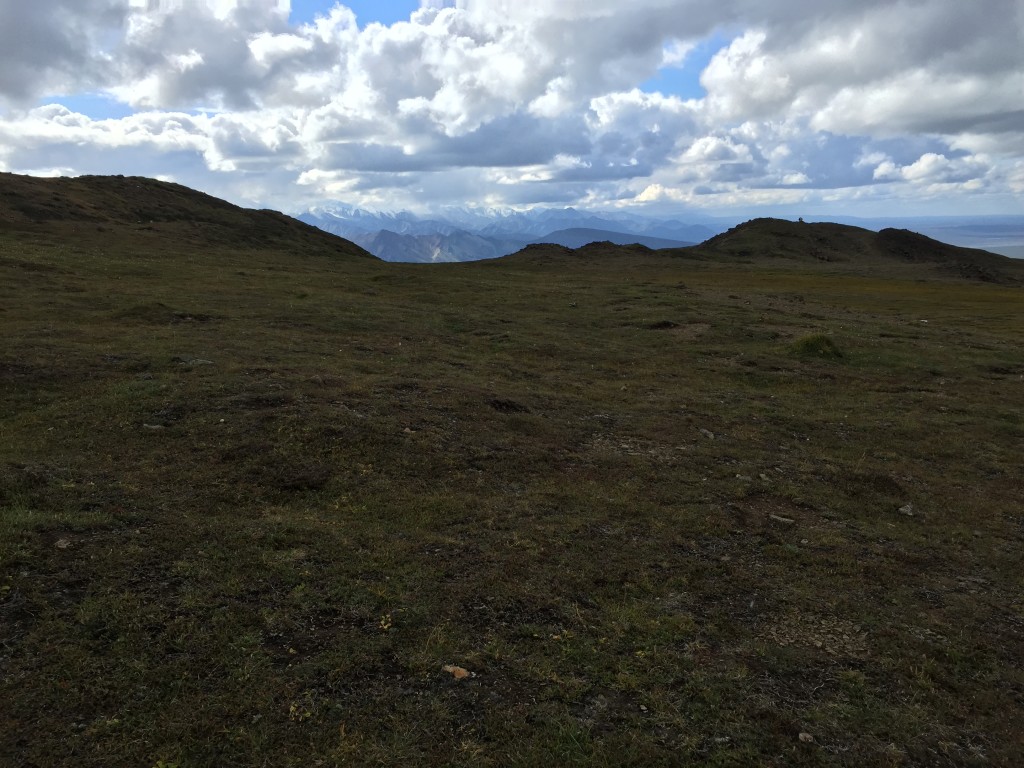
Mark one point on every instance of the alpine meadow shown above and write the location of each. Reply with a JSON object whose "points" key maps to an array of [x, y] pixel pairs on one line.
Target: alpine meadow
{"points": [[266, 500]]}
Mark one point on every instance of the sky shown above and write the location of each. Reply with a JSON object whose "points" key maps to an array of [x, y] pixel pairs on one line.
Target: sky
{"points": [[730, 107]]}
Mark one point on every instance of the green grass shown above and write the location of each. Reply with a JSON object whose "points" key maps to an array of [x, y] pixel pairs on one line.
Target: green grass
{"points": [[253, 501], [817, 345]]}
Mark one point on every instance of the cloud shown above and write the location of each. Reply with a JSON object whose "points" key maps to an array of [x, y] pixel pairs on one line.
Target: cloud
{"points": [[932, 66], [525, 100], [51, 46], [932, 168]]}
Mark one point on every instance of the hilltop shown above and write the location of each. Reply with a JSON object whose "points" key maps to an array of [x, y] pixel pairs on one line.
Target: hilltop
{"points": [[105, 208], [850, 245], [265, 500]]}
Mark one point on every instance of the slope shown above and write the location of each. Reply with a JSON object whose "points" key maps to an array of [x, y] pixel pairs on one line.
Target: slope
{"points": [[606, 507], [105, 208], [840, 244]]}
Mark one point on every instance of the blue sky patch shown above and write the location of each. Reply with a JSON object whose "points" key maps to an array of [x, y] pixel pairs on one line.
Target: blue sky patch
{"points": [[386, 12], [684, 81], [95, 106]]}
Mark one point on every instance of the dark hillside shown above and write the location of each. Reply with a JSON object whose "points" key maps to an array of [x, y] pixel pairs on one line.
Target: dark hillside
{"points": [[780, 244], [971, 263], [780, 240], [97, 208]]}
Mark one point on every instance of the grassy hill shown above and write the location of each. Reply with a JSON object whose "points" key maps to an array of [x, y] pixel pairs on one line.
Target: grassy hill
{"points": [[776, 239], [112, 211], [267, 501]]}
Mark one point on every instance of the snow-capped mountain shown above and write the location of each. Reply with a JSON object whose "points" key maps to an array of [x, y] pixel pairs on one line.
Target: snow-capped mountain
{"points": [[458, 245], [468, 234], [342, 219]]}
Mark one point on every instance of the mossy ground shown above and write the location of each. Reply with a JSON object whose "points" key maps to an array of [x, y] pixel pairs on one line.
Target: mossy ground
{"points": [[253, 502]]}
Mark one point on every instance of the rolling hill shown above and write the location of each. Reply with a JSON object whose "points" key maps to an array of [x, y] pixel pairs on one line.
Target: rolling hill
{"points": [[578, 237], [832, 247], [97, 208], [266, 500], [777, 239]]}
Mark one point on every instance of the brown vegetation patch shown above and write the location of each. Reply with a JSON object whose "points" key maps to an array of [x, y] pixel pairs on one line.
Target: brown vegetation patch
{"points": [[833, 635]]}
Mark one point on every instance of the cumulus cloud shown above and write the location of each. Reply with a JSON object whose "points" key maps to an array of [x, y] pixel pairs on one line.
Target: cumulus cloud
{"points": [[52, 46], [879, 68], [523, 100]]}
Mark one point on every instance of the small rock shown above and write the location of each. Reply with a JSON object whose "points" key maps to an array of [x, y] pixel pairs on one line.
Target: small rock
{"points": [[764, 477], [907, 509], [63, 543], [745, 478], [707, 433], [457, 672], [806, 738], [781, 519]]}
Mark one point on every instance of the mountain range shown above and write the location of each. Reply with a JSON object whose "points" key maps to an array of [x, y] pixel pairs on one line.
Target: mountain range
{"points": [[471, 234], [466, 234]]}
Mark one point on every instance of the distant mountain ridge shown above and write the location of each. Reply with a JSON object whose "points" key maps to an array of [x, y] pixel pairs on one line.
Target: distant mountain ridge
{"points": [[578, 237], [454, 246], [466, 234], [503, 231]]}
